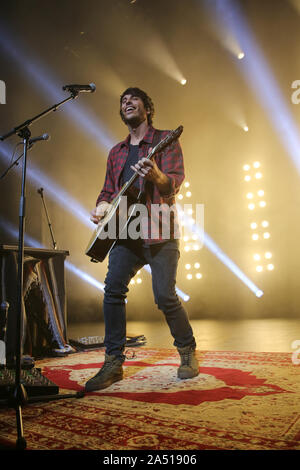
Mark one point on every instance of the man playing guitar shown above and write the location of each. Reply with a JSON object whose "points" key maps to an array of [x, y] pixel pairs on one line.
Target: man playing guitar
{"points": [[158, 181]]}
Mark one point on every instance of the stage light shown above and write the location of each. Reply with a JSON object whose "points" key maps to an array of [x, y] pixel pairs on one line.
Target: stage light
{"points": [[247, 178], [268, 255], [246, 128], [198, 275], [196, 247], [246, 167], [249, 196], [262, 204], [189, 276], [180, 196], [256, 257], [266, 235], [270, 267], [187, 266], [188, 194], [253, 225], [156, 51], [139, 280], [251, 206], [255, 236], [197, 265], [258, 175], [241, 55], [265, 223], [258, 74], [259, 269], [186, 184], [216, 251], [186, 248], [260, 193]]}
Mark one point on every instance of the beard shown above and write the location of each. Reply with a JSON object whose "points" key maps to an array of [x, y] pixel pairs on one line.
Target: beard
{"points": [[134, 121]]}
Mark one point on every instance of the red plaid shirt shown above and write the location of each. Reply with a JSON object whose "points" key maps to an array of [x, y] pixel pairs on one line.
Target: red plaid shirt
{"points": [[169, 161]]}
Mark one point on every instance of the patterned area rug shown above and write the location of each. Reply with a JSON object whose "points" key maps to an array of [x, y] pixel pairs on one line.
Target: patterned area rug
{"points": [[239, 401]]}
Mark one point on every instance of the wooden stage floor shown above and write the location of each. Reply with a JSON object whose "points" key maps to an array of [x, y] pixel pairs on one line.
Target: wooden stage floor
{"points": [[265, 335]]}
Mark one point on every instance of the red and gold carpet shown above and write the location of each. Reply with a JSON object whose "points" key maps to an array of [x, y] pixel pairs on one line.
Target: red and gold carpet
{"points": [[239, 401]]}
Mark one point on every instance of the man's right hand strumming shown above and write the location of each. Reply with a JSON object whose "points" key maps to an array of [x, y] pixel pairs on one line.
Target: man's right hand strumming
{"points": [[99, 212]]}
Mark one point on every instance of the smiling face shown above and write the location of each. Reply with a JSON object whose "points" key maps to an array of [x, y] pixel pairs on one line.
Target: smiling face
{"points": [[133, 110]]}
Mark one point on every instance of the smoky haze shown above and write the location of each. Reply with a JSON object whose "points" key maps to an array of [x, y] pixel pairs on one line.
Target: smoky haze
{"points": [[153, 45]]}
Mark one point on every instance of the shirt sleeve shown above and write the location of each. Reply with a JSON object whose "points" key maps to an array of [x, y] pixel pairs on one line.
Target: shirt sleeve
{"points": [[109, 184], [172, 166]]}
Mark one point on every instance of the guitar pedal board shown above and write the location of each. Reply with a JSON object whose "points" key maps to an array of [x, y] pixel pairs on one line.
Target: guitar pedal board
{"points": [[95, 342]]}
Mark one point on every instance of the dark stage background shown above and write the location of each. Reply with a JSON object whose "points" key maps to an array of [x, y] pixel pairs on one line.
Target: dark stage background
{"points": [[153, 45]]}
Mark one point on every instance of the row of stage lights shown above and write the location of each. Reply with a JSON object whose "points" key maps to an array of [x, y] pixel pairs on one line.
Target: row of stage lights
{"points": [[190, 245], [190, 241], [259, 229]]}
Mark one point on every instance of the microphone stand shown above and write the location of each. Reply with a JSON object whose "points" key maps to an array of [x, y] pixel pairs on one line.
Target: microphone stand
{"points": [[54, 244], [19, 396]]}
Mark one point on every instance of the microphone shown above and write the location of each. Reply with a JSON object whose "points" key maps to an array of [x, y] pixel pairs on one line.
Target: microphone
{"points": [[40, 191], [37, 139], [80, 88]]}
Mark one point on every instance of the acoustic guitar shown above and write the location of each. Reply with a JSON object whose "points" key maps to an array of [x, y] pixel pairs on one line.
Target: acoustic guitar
{"points": [[100, 244]]}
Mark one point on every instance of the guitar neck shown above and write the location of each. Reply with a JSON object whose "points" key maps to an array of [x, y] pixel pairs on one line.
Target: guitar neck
{"points": [[162, 144]]}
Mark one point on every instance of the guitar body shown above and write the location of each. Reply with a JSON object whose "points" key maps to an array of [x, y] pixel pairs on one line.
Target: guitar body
{"points": [[114, 222], [111, 226], [99, 247]]}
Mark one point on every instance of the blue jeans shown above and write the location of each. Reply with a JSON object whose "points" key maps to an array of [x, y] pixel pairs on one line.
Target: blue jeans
{"points": [[125, 259]]}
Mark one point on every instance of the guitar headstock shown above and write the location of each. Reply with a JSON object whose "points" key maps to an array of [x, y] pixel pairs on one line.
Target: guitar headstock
{"points": [[167, 140]]}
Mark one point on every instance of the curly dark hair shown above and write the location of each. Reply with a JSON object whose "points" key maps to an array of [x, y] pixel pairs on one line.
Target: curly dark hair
{"points": [[134, 91]]}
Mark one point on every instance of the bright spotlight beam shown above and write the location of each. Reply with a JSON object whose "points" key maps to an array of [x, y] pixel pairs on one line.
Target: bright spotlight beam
{"points": [[206, 240], [9, 228], [259, 76], [38, 178], [157, 52], [213, 247], [46, 83]]}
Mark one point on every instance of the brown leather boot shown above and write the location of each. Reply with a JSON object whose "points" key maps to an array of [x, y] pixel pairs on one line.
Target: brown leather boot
{"points": [[110, 372], [189, 367]]}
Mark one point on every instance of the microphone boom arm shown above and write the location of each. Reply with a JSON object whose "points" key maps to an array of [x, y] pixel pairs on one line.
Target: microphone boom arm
{"points": [[26, 124]]}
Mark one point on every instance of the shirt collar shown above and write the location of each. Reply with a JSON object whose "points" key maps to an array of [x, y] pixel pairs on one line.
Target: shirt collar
{"points": [[148, 137]]}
